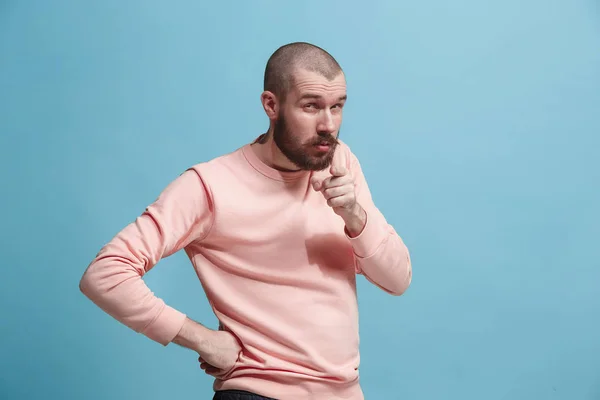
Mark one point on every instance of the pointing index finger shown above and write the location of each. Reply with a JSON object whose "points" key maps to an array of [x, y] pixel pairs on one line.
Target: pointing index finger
{"points": [[336, 169], [338, 163], [339, 158]]}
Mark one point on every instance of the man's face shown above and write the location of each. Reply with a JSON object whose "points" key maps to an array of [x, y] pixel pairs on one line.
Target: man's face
{"points": [[308, 124]]}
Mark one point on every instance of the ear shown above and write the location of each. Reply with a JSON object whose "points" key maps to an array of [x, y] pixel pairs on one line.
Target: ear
{"points": [[270, 104]]}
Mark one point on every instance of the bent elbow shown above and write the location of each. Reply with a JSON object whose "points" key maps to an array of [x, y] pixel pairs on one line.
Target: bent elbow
{"points": [[403, 283], [87, 285], [401, 289], [96, 279]]}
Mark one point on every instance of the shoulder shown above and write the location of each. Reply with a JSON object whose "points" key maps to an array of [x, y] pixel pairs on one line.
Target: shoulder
{"points": [[218, 165], [220, 161], [220, 172]]}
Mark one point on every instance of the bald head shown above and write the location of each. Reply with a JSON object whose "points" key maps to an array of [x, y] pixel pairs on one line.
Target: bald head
{"points": [[279, 73]]}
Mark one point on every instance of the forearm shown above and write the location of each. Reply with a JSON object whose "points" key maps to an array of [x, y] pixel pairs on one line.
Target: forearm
{"points": [[117, 287], [381, 255], [194, 336], [389, 267], [114, 279], [379, 252]]}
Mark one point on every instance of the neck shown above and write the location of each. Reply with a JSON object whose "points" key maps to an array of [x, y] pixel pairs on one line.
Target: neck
{"points": [[268, 152]]}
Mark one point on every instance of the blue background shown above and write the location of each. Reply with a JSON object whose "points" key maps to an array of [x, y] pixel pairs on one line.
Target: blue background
{"points": [[477, 124]]}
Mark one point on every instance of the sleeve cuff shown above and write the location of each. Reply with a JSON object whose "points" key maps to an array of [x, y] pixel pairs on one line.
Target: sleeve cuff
{"points": [[369, 240], [166, 326]]}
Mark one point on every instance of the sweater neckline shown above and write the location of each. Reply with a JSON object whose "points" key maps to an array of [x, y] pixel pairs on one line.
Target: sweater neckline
{"points": [[269, 171]]}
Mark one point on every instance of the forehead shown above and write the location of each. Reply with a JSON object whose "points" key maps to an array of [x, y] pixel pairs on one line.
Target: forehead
{"points": [[312, 83]]}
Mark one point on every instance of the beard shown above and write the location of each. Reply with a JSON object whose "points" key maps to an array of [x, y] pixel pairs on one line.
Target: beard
{"points": [[304, 155]]}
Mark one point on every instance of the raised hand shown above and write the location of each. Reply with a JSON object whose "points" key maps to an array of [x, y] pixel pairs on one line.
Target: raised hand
{"points": [[338, 189]]}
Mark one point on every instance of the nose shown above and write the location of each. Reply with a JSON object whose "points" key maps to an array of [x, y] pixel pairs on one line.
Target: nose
{"points": [[326, 122]]}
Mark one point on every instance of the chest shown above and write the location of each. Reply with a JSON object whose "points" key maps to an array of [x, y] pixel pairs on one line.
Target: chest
{"points": [[287, 224]]}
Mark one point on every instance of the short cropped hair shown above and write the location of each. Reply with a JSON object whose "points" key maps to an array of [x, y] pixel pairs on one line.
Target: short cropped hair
{"points": [[279, 72]]}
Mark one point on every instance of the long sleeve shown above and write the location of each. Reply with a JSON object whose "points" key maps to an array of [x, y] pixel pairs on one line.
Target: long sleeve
{"points": [[181, 214], [380, 253]]}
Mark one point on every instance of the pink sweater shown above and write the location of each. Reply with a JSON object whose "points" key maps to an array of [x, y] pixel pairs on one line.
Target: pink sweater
{"points": [[277, 267]]}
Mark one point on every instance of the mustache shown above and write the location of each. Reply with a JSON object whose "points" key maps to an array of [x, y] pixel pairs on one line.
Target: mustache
{"points": [[325, 138]]}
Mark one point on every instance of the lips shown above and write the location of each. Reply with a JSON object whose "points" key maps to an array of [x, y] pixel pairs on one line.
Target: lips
{"points": [[323, 147]]}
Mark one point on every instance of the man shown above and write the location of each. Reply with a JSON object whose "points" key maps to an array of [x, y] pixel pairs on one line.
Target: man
{"points": [[276, 231]]}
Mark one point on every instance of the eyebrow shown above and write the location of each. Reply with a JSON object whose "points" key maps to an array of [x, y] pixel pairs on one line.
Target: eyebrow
{"points": [[318, 96]]}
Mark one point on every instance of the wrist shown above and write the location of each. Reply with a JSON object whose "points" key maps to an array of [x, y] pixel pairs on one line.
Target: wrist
{"points": [[355, 220], [194, 336], [204, 341]]}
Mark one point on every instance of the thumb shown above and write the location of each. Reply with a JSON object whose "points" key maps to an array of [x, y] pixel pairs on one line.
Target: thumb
{"points": [[316, 183]]}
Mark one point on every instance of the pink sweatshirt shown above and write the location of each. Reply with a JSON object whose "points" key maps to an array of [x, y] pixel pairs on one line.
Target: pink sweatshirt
{"points": [[277, 267]]}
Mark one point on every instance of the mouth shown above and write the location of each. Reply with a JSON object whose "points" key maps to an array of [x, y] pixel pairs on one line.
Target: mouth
{"points": [[323, 148]]}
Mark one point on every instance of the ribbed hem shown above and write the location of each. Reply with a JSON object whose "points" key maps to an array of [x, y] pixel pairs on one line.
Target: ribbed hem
{"points": [[166, 326], [295, 389]]}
